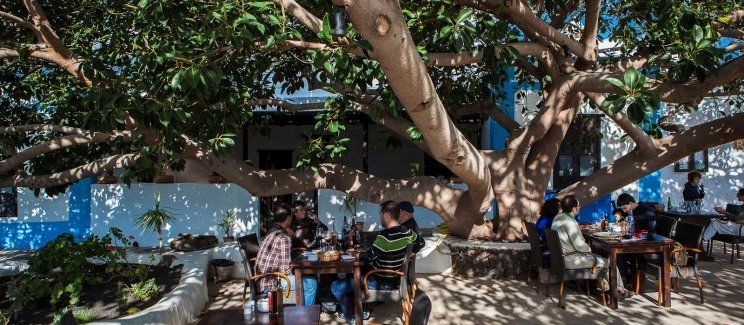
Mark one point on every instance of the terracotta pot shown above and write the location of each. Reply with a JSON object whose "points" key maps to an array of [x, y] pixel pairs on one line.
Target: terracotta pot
{"points": [[217, 179], [160, 179], [228, 239]]}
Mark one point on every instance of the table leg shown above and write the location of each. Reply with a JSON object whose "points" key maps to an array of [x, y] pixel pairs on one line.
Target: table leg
{"points": [[299, 292], [357, 295], [613, 278], [665, 279]]}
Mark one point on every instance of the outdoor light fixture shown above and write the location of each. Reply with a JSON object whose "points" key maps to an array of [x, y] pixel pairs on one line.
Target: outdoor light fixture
{"points": [[339, 21]]}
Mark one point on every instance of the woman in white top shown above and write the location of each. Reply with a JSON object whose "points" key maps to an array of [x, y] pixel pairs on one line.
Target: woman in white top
{"points": [[576, 252]]}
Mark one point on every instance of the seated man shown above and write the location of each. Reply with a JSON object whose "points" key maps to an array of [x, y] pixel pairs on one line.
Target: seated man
{"points": [[387, 252], [735, 220], [305, 228], [274, 255], [405, 219], [576, 251], [643, 213]]}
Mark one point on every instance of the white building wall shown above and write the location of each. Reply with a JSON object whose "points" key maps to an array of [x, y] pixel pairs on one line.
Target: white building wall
{"points": [[39, 209], [198, 208], [725, 164]]}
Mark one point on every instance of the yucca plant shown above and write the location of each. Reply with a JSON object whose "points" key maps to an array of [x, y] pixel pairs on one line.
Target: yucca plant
{"points": [[154, 220]]}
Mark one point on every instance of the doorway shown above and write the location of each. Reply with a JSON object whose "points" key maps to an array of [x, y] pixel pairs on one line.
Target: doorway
{"points": [[268, 160]]}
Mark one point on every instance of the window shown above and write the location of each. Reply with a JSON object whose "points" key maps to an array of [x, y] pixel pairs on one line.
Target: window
{"points": [[578, 156], [697, 161], [8, 203]]}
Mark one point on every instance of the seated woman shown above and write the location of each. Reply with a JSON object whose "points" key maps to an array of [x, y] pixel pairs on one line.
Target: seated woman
{"points": [[734, 223], [548, 211], [576, 252]]}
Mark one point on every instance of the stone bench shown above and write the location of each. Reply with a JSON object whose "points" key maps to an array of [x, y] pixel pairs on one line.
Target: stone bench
{"points": [[488, 259]]}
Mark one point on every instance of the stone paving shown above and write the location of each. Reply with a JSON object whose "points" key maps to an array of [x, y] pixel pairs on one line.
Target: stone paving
{"points": [[457, 300]]}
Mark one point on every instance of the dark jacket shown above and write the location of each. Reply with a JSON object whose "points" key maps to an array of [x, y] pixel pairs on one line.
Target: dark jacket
{"points": [[642, 215], [693, 192]]}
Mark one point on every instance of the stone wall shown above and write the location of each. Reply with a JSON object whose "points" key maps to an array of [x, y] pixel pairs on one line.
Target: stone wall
{"points": [[488, 259]]}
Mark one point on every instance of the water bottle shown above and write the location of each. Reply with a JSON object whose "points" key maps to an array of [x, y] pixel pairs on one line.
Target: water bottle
{"points": [[631, 225], [669, 204]]}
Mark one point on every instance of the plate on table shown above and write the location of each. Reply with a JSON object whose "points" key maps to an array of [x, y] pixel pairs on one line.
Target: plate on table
{"points": [[606, 234], [346, 257]]}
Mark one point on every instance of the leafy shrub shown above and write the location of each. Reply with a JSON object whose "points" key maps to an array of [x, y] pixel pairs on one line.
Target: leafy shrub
{"points": [[145, 290], [59, 270]]}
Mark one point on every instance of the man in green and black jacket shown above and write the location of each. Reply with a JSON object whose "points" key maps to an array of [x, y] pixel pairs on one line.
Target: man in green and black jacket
{"points": [[388, 252]]}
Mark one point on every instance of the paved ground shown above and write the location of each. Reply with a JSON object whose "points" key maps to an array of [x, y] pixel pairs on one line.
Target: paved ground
{"points": [[469, 301]]}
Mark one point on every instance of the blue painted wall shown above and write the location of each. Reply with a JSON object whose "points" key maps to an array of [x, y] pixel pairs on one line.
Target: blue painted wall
{"points": [[33, 235]]}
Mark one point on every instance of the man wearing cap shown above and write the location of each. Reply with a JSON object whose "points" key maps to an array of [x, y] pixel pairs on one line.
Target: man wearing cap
{"points": [[405, 218]]}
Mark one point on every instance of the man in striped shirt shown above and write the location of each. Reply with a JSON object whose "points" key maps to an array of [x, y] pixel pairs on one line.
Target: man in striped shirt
{"points": [[387, 252]]}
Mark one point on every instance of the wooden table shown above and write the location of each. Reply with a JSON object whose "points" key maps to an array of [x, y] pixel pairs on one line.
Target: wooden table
{"points": [[292, 315], [302, 266], [702, 219], [613, 247]]}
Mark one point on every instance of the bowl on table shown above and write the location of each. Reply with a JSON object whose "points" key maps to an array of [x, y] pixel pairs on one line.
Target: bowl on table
{"points": [[312, 257], [330, 256]]}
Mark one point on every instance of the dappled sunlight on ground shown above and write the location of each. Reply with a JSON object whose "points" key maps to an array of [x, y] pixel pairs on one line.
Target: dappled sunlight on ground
{"points": [[476, 301]]}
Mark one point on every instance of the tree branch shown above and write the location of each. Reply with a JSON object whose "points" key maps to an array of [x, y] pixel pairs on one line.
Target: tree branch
{"points": [[59, 143], [424, 191], [72, 175], [591, 26], [383, 25], [636, 163], [16, 20], [640, 137], [491, 109], [42, 128], [688, 92]]}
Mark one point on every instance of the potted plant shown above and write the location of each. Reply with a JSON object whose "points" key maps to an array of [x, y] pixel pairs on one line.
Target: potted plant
{"points": [[154, 220], [226, 224]]}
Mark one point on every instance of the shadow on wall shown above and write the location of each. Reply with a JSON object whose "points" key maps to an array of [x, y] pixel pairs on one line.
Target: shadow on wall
{"points": [[197, 207], [42, 219]]}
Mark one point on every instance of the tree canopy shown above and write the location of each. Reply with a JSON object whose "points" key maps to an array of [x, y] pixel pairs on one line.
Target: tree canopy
{"points": [[87, 86]]}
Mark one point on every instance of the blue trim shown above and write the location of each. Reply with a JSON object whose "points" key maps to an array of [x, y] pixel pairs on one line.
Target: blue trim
{"points": [[649, 186], [33, 235]]}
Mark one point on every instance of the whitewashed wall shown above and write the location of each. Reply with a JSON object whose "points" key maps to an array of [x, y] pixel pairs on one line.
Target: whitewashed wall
{"points": [[725, 164], [39, 209], [331, 210], [197, 207]]}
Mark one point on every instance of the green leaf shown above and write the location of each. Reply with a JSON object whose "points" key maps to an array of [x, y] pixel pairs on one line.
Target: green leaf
{"points": [[464, 14], [631, 77], [698, 33], [176, 81], [615, 82]]}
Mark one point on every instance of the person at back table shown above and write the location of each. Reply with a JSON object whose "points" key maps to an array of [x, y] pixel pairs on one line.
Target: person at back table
{"points": [[548, 211], [576, 252], [694, 191], [406, 216], [387, 252], [643, 212], [735, 219], [274, 255], [305, 227]]}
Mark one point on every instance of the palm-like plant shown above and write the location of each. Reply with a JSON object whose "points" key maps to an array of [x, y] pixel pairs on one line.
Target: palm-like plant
{"points": [[154, 220]]}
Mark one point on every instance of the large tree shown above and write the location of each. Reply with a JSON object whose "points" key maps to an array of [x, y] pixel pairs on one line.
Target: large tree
{"points": [[90, 86]]}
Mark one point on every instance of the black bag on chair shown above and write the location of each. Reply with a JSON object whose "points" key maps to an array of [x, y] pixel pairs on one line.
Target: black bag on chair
{"points": [[421, 309]]}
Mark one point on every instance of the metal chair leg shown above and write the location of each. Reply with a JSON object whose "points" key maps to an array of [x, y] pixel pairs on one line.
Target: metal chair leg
{"points": [[586, 284], [724, 247], [732, 254], [537, 282], [547, 287], [529, 272], [700, 287]]}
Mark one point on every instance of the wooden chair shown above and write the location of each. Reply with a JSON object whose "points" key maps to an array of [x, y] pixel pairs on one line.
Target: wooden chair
{"points": [[538, 260], [689, 236], [559, 270], [734, 240], [248, 251], [406, 290]]}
